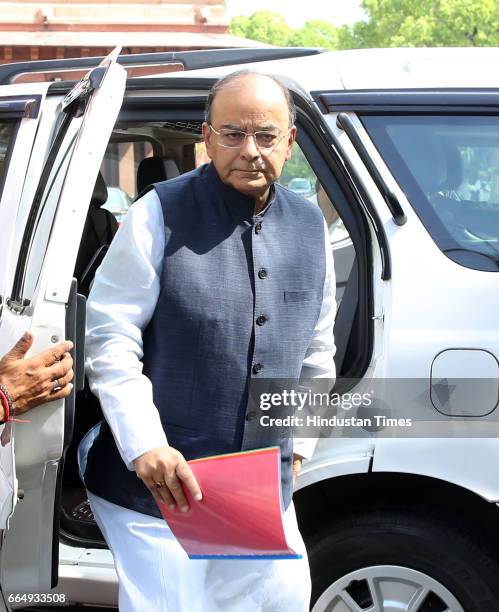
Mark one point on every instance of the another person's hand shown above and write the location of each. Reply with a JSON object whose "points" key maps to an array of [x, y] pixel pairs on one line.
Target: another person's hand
{"points": [[36, 380], [297, 459], [162, 470]]}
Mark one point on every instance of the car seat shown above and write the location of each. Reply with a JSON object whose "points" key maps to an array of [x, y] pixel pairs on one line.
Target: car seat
{"points": [[100, 228], [155, 169]]}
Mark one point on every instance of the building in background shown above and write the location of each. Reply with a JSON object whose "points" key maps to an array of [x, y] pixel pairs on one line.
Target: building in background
{"points": [[71, 28]]}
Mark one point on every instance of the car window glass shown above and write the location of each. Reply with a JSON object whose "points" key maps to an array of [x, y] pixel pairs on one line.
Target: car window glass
{"points": [[7, 130], [119, 171], [299, 177], [448, 167]]}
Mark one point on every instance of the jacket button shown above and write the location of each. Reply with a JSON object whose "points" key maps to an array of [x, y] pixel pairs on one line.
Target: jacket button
{"points": [[262, 273], [258, 228], [261, 320], [251, 415], [258, 367]]}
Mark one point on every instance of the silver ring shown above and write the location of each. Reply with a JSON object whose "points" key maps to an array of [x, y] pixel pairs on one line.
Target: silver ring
{"points": [[57, 386]]}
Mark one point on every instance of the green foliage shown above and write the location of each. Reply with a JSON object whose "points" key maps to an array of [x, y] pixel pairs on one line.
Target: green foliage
{"points": [[388, 23], [425, 23], [239, 26], [314, 33], [264, 26]]}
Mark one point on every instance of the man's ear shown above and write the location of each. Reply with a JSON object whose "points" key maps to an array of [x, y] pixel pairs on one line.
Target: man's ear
{"points": [[291, 140], [207, 135]]}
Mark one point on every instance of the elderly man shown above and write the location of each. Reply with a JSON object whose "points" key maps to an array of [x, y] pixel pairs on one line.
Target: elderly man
{"points": [[216, 277]]}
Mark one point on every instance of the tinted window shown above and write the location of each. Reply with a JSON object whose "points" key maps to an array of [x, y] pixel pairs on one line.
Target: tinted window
{"points": [[6, 135], [448, 166]]}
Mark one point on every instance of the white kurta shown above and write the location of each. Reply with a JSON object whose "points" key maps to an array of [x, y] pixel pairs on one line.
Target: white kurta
{"points": [[120, 306], [156, 575]]}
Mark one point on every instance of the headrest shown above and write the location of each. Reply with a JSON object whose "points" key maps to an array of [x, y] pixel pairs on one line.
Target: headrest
{"points": [[454, 176], [99, 196], [155, 169], [171, 168], [425, 157]]}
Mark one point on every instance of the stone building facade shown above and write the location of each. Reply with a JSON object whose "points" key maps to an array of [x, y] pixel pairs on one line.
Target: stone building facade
{"points": [[71, 28]]}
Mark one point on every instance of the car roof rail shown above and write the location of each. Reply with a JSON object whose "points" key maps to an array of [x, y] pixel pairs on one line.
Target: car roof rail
{"points": [[185, 60]]}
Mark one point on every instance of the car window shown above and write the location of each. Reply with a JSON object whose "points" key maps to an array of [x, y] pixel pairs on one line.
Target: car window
{"points": [[448, 166], [299, 177], [7, 130], [119, 170]]}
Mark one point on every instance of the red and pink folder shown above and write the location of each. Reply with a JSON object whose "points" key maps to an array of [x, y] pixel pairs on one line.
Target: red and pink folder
{"points": [[240, 515]]}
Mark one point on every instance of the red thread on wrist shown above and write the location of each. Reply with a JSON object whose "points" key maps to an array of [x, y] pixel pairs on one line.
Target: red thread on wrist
{"points": [[5, 403], [8, 407]]}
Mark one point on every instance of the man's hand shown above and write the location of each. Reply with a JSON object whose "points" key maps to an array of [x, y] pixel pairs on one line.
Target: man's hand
{"points": [[297, 459], [162, 470], [37, 380]]}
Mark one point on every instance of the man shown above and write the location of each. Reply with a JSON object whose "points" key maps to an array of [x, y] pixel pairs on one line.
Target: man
{"points": [[216, 278], [36, 380]]}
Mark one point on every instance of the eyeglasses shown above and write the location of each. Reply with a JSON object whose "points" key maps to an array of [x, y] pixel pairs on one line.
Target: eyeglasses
{"points": [[235, 139]]}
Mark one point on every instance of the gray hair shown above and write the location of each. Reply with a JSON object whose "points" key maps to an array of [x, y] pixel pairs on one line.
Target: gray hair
{"points": [[233, 76]]}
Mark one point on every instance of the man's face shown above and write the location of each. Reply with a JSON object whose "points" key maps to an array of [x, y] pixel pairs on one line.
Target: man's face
{"points": [[250, 104]]}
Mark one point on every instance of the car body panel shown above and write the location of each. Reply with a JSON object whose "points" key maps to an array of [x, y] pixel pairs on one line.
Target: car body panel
{"points": [[467, 462]]}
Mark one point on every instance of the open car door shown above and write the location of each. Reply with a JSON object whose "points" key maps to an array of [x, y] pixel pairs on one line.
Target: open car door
{"points": [[41, 297], [20, 122]]}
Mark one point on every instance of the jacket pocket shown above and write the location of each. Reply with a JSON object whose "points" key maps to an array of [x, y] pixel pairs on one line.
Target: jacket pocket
{"points": [[300, 296]]}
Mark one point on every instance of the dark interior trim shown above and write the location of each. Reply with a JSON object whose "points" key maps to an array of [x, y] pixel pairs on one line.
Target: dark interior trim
{"points": [[10, 149]]}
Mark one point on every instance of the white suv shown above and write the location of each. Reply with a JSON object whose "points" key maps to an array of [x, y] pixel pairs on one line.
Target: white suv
{"points": [[405, 144]]}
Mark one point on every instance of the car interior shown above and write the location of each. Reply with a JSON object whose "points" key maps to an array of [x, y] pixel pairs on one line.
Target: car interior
{"points": [[137, 156], [449, 164]]}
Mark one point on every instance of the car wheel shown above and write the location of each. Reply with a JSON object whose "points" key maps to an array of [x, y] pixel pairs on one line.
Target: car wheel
{"points": [[400, 560]]}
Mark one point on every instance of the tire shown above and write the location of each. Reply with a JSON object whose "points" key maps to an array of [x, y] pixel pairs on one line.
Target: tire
{"points": [[371, 557]]}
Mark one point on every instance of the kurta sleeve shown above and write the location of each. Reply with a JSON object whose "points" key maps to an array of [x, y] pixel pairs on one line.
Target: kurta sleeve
{"points": [[120, 305]]}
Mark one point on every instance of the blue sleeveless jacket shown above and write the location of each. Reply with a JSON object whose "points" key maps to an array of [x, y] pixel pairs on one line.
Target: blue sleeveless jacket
{"points": [[240, 297]]}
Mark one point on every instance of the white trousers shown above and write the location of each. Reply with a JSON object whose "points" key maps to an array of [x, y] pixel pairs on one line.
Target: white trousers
{"points": [[156, 575]]}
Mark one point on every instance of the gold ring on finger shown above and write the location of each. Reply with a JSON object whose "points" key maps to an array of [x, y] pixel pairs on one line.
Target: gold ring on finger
{"points": [[160, 484]]}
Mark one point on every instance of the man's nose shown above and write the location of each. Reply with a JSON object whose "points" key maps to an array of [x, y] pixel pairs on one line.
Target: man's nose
{"points": [[249, 150]]}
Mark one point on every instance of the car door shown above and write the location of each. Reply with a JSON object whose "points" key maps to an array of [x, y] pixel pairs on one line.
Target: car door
{"points": [[21, 126], [41, 297]]}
